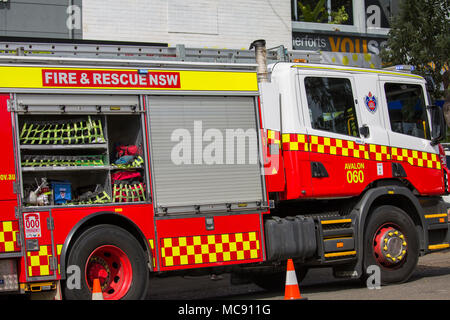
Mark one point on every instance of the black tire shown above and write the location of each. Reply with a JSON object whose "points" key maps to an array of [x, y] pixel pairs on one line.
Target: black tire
{"points": [[401, 270], [276, 281], [108, 235]]}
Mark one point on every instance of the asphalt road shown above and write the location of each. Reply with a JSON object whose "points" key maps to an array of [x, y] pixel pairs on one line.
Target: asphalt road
{"points": [[430, 281]]}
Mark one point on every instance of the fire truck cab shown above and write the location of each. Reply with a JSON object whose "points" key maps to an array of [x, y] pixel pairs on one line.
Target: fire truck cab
{"points": [[354, 159], [355, 127]]}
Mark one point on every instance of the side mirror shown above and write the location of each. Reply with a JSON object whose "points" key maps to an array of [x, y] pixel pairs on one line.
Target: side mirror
{"points": [[430, 85], [438, 125]]}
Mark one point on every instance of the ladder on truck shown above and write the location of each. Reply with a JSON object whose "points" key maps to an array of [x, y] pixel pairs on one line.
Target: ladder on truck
{"points": [[89, 49]]}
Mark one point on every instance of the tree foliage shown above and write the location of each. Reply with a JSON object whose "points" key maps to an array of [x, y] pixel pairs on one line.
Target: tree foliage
{"points": [[320, 14], [420, 36], [317, 14], [339, 17]]}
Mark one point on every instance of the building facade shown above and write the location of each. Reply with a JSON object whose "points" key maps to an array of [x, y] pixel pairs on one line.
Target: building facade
{"points": [[231, 24], [52, 19], [349, 32]]}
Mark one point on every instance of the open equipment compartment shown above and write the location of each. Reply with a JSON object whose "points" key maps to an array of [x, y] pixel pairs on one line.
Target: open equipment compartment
{"points": [[80, 149], [127, 158]]}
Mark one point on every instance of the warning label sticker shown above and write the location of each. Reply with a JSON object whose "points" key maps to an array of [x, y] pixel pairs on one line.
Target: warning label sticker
{"points": [[32, 223]]}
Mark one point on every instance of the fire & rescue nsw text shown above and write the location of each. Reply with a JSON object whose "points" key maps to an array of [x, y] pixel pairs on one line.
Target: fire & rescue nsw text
{"points": [[110, 78]]}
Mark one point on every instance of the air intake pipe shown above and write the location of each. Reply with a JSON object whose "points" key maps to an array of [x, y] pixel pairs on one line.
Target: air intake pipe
{"points": [[261, 59]]}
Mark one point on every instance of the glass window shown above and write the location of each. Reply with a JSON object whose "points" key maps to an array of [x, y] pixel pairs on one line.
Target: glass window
{"points": [[323, 11], [331, 105], [379, 13], [407, 109]]}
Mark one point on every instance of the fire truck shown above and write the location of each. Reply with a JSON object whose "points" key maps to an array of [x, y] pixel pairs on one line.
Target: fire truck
{"points": [[124, 167]]}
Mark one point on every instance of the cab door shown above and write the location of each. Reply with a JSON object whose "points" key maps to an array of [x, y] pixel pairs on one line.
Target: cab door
{"points": [[337, 152], [407, 119]]}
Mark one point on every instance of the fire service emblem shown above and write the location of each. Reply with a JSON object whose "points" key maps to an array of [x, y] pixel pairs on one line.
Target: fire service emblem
{"points": [[371, 102]]}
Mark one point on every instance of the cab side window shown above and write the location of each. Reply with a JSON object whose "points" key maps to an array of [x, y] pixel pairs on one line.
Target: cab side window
{"points": [[331, 105], [407, 109]]}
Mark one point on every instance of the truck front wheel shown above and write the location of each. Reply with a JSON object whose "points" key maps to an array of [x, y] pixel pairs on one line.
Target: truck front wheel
{"points": [[113, 256], [391, 242]]}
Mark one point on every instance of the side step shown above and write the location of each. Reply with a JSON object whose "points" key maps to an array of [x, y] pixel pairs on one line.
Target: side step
{"points": [[336, 239], [438, 231]]}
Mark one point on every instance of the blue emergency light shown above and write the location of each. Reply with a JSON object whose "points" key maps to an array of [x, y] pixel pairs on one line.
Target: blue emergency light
{"points": [[404, 67]]}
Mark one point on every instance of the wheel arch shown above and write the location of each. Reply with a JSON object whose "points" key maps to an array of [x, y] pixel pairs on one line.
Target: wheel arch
{"points": [[400, 201], [398, 196], [103, 217]]}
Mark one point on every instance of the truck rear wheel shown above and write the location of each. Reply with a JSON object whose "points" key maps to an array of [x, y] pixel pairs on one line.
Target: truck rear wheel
{"points": [[391, 243], [115, 257]]}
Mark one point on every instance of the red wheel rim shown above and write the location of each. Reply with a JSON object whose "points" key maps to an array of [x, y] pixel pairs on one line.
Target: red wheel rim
{"points": [[113, 268], [390, 246]]}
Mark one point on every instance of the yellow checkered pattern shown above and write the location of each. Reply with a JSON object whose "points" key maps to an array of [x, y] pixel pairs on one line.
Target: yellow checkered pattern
{"points": [[416, 158], [38, 261], [8, 236], [295, 142], [203, 249], [379, 153], [273, 137], [347, 148]]}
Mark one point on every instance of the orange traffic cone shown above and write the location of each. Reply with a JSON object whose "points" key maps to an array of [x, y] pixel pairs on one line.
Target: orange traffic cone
{"points": [[292, 291], [58, 294], [97, 290]]}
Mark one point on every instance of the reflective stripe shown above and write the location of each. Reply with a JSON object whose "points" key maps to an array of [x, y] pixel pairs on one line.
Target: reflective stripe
{"points": [[291, 278], [438, 246], [336, 221], [339, 254], [438, 215]]}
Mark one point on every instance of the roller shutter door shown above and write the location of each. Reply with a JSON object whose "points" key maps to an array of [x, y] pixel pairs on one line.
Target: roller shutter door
{"points": [[205, 153]]}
